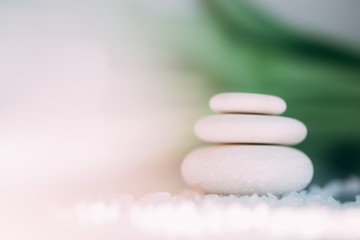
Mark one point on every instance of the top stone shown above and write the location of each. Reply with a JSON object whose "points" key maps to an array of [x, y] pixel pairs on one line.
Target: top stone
{"points": [[247, 103]]}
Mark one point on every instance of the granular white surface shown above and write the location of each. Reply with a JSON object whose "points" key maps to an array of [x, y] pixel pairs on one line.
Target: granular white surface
{"points": [[314, 214]]}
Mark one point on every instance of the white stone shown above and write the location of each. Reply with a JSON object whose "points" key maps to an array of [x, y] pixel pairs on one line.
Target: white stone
{"points": [[247, 169], [247, 103], [248, 128]]}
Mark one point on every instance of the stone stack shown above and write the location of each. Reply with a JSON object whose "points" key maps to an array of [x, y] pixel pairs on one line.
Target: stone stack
{"points": [[249, 155]]}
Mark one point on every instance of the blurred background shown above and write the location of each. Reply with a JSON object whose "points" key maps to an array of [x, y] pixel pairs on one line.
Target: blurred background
{"points": [[103, 95]]}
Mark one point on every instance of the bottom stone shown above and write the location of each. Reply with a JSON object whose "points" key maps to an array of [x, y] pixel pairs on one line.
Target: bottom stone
{"points": [[247, 169]]}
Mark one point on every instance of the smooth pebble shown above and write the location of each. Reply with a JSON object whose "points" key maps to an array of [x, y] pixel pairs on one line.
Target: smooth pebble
{"points": [[248, 128], [247, 103], [247, 169]]}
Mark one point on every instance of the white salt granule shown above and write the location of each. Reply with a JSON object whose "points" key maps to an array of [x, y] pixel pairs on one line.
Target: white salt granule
{"points": [[312, 214]]}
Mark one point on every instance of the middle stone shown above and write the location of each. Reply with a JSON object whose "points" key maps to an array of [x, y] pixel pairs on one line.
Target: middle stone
{"points": [[249, 128]]}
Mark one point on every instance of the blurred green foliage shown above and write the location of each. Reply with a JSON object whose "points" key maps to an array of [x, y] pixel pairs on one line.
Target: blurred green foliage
{"points": [[241, 49]]}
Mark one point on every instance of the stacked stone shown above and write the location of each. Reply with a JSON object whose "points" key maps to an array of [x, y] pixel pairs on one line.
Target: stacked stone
{"points": [[250, 156]]}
